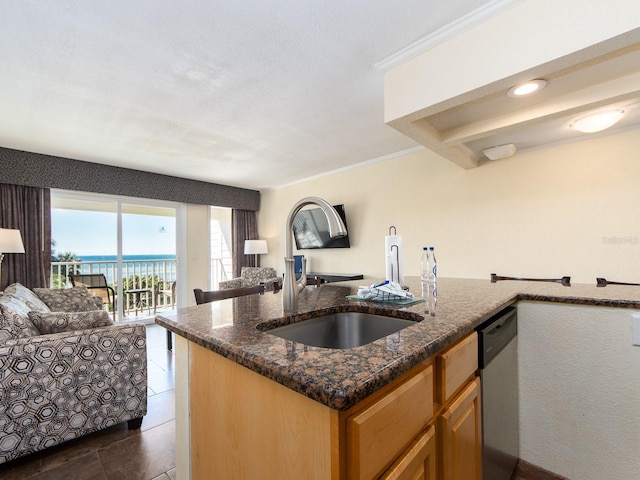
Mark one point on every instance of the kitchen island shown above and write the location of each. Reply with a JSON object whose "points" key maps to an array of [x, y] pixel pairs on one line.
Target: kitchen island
{"points": [[342, 379]]}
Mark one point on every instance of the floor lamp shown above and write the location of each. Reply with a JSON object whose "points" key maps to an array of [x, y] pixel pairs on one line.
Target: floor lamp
{"points": [[10, 242], [255, 247]]}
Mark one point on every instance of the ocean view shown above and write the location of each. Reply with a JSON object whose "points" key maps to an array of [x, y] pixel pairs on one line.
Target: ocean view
{"points": [[163, 266], [126, 258]]}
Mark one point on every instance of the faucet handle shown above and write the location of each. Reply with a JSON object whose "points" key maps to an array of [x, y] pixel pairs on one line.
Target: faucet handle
{"points": [[302, 281]]}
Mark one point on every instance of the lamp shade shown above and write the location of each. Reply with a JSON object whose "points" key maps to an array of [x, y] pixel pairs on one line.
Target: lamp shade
{"points": [[255, 247], [11, 241]]}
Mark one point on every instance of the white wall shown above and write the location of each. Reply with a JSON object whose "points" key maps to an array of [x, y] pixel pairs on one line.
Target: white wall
{"points": [[579, 391], [567, 210], [198, 255]]}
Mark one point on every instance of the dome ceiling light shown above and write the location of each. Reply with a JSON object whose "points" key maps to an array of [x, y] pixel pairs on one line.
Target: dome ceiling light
{"points": [[527, 88], [500, 151], [597, 121]]}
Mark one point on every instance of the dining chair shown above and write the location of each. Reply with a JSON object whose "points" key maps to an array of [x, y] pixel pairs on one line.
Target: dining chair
{"points": [[215, 295]]}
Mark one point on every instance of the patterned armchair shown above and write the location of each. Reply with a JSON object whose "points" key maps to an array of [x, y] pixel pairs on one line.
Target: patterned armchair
{"points": [[252, 276], [65, 374]]}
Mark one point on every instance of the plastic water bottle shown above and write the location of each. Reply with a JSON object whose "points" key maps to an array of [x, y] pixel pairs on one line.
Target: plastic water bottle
{"points": [[433, 274], [425, 265]]}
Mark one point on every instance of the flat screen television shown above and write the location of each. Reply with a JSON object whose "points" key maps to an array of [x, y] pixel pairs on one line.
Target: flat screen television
{"points": [[311, 229]]}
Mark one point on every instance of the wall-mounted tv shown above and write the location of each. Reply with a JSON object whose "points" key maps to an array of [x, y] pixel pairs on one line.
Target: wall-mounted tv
{"points": [[311, 229]]}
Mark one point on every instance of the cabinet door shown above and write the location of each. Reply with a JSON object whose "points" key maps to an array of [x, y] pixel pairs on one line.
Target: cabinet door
{"points": [[418, 461], [460, 439], [380, 433]]}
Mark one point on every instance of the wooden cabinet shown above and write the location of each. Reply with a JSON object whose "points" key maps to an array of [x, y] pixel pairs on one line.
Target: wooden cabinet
{"points": [[460, 442], [423, 425], [380, 432], [418, 462], [455, 366], [459, 421]]}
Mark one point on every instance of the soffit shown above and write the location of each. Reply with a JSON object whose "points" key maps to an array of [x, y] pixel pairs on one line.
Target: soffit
{"points": [[604, 75]]}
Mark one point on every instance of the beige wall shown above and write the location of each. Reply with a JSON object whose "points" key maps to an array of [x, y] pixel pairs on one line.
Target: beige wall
{"points": [[579, 390], [545, 30], [567, 210], [198, 255]]}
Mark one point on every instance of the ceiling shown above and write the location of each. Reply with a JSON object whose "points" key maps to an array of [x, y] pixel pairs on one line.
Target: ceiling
{"points": [[255, 94], [600, 77]]}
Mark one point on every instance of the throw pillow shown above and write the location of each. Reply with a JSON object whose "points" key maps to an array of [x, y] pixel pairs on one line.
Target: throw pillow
{"points": [[55, 322], [27, 297], [7, 331], [16, 318], [76, 299]]}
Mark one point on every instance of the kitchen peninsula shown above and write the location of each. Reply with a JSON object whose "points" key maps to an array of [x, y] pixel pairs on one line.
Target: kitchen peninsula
{"points": [[322, 384]]}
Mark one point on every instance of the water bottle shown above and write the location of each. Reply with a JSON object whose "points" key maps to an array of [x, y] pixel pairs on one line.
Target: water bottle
{"points": [[433, 274], [425, 265]]}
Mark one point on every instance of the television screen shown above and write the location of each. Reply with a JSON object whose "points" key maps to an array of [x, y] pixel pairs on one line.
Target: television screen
{"points": [[311, 229]]}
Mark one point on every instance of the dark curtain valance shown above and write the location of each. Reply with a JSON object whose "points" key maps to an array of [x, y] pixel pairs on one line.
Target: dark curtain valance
{"points": [[47, 171], [244, 226], [27, 209]]}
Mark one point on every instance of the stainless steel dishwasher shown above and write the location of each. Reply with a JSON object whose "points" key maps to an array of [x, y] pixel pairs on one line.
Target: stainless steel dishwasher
{"points": [[498, 361]]}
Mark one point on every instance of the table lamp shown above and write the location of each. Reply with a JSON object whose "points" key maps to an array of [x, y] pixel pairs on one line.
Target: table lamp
{"points": [[255, 247], [10, 242]]}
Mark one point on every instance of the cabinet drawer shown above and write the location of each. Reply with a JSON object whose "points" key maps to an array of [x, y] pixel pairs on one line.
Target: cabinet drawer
{"points": [[418, 462], [378, 434], [455, 366]]}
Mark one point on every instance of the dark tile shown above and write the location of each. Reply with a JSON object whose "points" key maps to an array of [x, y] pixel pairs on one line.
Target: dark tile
{"points": [[154, 369], [60, 454], [21, 468], [161, 408], [161, 382], [162, 358], [142, 457], [87, 467]]}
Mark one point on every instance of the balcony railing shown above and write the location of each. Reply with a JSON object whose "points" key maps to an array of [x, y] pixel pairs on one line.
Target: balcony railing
{"points": [[155, 275]]}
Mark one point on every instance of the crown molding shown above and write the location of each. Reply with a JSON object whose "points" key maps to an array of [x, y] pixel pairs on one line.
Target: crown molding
{"points": [[445, 33], [383, 158]]}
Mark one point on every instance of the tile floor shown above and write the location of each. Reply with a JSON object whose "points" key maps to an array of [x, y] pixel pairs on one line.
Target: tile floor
{"points": [[117, 453]]}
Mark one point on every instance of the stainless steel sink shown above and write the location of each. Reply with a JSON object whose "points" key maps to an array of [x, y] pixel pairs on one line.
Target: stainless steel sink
{"points": [[341, 330]]}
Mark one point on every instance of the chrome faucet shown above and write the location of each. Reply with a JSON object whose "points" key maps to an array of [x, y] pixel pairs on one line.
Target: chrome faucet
{"points": [[290, 287]]}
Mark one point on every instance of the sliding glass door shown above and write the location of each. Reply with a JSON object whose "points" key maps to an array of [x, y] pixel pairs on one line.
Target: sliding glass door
{"points": [[130, 242]]}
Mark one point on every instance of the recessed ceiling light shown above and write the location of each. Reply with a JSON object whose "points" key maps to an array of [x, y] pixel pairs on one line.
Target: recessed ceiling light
{"points": [[597, 121], [527, 88], [500, 151]]}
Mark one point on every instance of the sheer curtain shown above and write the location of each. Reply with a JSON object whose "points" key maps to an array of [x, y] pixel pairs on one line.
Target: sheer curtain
{"points": [[27, 209], [244, 226]]}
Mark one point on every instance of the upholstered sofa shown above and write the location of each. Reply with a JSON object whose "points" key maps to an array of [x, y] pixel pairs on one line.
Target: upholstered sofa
{"points": [[251, 276], [65, 369]]}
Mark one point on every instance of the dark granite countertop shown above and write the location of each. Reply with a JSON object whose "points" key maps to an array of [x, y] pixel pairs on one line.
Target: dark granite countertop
{"points": [[342, 378]]}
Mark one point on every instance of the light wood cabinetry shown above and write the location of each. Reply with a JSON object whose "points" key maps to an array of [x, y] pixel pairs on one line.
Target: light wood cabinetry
{"points": [[459, 431], [456, 365], [418, 462], [460, 436], [244, 425], [380, 432]]}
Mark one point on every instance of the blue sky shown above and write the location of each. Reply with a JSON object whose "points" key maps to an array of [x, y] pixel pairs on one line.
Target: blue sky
{"points": [[94, 233]]}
